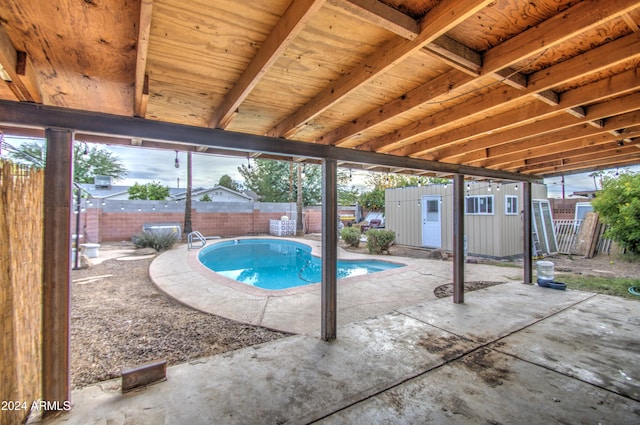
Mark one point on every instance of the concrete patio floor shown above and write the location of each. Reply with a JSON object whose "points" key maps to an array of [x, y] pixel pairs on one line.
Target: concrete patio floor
{"points": [[510, 354], [179, 274]]}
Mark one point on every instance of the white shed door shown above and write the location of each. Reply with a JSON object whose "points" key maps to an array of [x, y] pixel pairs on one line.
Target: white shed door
{"points": [[431, 222]]}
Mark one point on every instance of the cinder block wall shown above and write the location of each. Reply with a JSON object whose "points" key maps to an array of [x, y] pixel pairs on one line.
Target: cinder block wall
{"points": [[121, 220]]}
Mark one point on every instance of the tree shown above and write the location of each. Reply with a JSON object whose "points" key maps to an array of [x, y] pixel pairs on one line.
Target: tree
{"points": [[153, 191], [271, 180], [346, 195], [88, 162], [227, 181], [618, 204], [373, 200], [205, 198]]}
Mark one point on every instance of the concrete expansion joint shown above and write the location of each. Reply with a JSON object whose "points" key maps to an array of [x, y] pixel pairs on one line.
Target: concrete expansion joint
{"points": [[264, 310]]}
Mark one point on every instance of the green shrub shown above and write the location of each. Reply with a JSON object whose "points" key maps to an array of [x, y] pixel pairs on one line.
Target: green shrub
{"points": [[351, 236], [379, 240], [159, 241]]}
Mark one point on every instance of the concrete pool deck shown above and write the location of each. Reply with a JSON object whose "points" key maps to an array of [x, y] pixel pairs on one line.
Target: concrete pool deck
{"points": [[180, 275], [511, 354]]}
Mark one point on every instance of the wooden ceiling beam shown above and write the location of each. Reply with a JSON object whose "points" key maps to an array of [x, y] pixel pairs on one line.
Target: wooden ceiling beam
{"points": [[17, 71], [142, 79], [582, 135], [382, 15], [619, 163], [571, 70], [439, 86], [607, 158], [456, 55], [612, 147], [590, 62], [31, 115], [576, 20], [558, 150], [443, 145], [551, 124], [291, 23], [443, 17]]}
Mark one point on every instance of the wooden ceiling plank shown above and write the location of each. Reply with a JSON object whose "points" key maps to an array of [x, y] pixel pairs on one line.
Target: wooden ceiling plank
{"points": [[437, 87], [286, 30], [446, 15], [592, 61], [574, 135], [605, 109], [602, 158], [142, 79], [589, 168], [615, 85], [382, 15], [20, 75], [577, 154], [550, 152], [564, 72], [552, 149], [563, 26]]}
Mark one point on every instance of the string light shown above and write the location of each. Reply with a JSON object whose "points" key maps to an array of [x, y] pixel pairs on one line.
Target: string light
{"points": [[177, 161], [248, 161], [498, 187]]}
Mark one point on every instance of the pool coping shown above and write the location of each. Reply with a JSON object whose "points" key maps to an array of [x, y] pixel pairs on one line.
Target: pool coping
{"points": [[180, 275]]}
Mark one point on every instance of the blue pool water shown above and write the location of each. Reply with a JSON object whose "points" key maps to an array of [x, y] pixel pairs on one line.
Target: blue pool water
{"points": [[277, 264]]}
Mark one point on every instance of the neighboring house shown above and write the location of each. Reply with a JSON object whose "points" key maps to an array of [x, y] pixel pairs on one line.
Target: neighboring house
{"points": [[423, 217], [216, 193], [102, 189]]}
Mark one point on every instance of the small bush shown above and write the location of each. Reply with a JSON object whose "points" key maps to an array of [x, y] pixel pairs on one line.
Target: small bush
{"points": [[379, 240], [159, 241], [351, 236]]}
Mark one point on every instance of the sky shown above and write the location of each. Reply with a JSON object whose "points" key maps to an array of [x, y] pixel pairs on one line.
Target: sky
{"points": [[146, 165]]}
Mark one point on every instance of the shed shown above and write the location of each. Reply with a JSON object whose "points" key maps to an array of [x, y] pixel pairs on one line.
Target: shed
{"points": [[423, 217]]}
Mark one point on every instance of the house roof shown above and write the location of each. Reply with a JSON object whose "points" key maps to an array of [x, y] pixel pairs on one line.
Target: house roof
{"points": [[103, 192], [202, 190], [542, 87]]}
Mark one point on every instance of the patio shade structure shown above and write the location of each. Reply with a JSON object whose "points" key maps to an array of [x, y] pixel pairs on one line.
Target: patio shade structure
{"points": [[490, 89]]}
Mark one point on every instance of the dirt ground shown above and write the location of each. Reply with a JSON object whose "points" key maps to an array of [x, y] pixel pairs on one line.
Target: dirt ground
{"points": [[120, 319]]}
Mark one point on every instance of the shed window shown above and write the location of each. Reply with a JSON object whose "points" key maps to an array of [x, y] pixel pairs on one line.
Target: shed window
{"points": [[479, 205], [510, 205]]}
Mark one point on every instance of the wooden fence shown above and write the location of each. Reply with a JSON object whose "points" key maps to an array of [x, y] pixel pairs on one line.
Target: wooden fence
{"points": [[21, 215]]}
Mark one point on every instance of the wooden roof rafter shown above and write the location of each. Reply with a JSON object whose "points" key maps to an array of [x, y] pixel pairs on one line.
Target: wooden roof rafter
{"points": [[17, 71], [386, 142], [289, 26], [438, 21]]}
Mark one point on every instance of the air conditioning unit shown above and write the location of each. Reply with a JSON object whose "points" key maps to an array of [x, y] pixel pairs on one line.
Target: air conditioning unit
{"points": [[102, 182]]}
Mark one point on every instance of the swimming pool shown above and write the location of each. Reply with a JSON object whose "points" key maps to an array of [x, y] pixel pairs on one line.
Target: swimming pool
{"points": [[277, 264]]}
